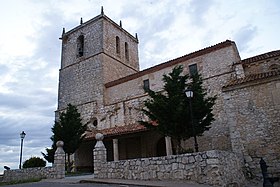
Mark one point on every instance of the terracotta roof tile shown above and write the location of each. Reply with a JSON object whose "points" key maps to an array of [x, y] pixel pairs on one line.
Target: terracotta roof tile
{"points": [[169, 63], [253, 77], [115, 131], [261, 57]]}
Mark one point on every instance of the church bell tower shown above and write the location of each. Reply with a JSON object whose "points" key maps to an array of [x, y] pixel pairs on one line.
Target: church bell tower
{"points": [[94, 53]]}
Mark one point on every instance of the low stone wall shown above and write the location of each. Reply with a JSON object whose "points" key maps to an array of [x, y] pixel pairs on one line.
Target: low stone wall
{"points": [[28, 173], [218, 168], [56, 171]]}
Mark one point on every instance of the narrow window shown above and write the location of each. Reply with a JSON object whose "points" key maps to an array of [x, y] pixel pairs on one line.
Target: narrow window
{"points": [[146, 85], [193, 69], [126, 51], [117, 45], [80, 46]]}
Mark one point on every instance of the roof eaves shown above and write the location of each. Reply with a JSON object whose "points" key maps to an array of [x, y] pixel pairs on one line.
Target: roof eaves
{"points": [[260, 57], [252, 77]]}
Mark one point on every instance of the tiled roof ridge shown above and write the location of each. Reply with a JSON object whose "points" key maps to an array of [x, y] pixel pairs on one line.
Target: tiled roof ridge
{"points": [[172, 62], [118, 130], [253, 77], [263, 56]]}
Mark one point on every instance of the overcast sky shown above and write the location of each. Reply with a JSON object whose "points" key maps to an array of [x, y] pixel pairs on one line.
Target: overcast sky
{"points": [[167, 29]]}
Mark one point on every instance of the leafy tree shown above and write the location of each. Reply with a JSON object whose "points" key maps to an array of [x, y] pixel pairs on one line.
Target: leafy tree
{"points": [[70, 130], [169, 111], [34, 162], [49, 156]]}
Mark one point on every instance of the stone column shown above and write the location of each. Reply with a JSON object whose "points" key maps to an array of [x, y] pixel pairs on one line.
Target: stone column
{"points": [[59, 161], [116, 149], [168, 145], [99, 157]]}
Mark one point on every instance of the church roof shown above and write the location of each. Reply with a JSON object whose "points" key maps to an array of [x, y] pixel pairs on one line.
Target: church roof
{"points": [[173, 62], [256, 76], [115, 131], [261, 57], [253, 77]]}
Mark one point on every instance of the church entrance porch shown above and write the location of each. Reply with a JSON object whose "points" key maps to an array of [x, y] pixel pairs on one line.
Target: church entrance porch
{"points": [[123, 143]]}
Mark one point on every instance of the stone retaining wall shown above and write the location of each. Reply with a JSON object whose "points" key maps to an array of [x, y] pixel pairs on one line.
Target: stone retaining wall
{"points": [[28, 173], [218, 168]]}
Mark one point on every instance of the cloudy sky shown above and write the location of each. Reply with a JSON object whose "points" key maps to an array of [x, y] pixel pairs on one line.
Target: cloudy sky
{"points": [[30, 49]]}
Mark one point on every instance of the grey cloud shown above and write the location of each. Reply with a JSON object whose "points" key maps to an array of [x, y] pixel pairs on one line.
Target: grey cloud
{"points": [[244, 36], [12, 101], [198, 9], [33, 100]]}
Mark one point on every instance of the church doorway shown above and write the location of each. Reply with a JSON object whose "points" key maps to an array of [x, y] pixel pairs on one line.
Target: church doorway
{"points": [[161, 147]]}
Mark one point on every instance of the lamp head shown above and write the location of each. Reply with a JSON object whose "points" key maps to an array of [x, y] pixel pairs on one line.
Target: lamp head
{"points": [[189, 93], [22, 135]]}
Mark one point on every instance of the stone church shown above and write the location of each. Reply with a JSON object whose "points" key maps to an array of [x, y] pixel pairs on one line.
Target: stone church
{"points": [[100, 75]]}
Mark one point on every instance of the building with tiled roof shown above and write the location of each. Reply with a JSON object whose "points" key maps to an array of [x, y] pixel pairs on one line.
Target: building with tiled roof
{"points": [[100, 75]]}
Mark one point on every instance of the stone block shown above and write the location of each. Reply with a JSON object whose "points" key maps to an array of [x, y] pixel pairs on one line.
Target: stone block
{"points": [[212, 161], [185, 160], [198, 158], [191, 159], [174, 166], [212, 154]]}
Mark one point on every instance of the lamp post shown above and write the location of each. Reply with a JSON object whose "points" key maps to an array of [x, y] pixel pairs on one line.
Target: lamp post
{"points": [[22, 135], [189, 94]]}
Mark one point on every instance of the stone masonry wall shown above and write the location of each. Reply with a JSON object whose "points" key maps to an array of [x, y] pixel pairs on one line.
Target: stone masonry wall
{"points": [[114, 69], [56, 171], [28, 173], [81, 83], [253, 111], [92, 42], [110, 31], [216, 69], [82, 79], [262, 66], [217, 168]]}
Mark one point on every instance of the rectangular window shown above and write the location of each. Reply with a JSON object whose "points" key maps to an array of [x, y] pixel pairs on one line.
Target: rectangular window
{"points": [[193, 69], [146, 85]]}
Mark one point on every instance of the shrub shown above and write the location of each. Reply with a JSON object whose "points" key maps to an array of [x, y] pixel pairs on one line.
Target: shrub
{"points": [[34, 162]]}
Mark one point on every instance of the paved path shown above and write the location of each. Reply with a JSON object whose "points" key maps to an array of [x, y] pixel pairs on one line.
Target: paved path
{"points": [[88, 180]]}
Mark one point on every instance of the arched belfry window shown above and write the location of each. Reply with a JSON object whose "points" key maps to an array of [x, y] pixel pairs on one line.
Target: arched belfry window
{"points": [[80, 46], [126, 51], [117, 45]]}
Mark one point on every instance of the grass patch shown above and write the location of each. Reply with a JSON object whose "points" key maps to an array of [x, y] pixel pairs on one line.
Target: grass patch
{"points": [[20, 181]]}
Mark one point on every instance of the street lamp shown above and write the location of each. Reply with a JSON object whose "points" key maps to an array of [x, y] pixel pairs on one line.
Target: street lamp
{"points": [[22, 135], [189, 94]]}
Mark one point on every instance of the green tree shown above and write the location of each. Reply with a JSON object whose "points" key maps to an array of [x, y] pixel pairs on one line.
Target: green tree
{"points": [[49, 156], [169, 111], [70, 130], [34, 162]]}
